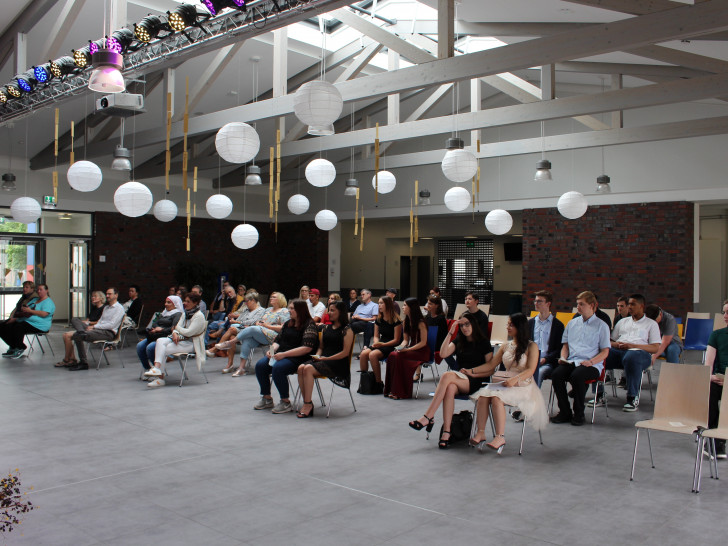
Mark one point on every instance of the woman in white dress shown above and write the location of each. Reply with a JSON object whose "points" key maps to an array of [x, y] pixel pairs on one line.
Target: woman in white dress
{"points": [[514, 387]]}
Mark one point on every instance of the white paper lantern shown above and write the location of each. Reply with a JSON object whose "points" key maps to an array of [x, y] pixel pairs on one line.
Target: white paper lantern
{"points": [[572, 205], [244, 236], [318, 104], [25, 209], [459, 166], [320, 173], [84, 176], [133, 199], [325, 220], [165, 210], [498, 222], [387, 182], [219, 206], [237, 142], [298, 204], [457, 199]]}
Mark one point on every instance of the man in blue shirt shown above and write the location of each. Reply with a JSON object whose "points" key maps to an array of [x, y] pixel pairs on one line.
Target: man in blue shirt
{"points": [[364, 316], [585, 346], [546, 330]]}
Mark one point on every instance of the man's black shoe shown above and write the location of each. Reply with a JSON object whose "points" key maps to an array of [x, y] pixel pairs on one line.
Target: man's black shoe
{"points": [[561, 418], [577, 420], [79, 366]]}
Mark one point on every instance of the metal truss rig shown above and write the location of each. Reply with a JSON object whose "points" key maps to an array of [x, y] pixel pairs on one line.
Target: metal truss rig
{"points": [[229, 27]]}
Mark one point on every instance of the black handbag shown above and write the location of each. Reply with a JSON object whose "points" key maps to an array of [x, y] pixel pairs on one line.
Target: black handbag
{"points": [[462, 424], [367, 383]]}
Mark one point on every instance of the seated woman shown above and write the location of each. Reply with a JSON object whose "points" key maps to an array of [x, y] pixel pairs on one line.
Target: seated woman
{"points": [[160, 326], [473, 352], [217, 326], [248, 315], [402, 363], [263, 332], [435, 317], [290, 349], [98, 300], [353, 302], [37, 318], [332, 359], [716, 356], [186, 337], [515, 387], [304, 293], [387, 335], [333, 298]]}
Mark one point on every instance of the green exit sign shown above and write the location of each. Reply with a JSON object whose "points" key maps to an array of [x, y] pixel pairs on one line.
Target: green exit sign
{"points": [[469, 244], [49, 200]]}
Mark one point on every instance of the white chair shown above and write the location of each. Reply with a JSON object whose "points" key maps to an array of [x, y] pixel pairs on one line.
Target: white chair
{"points": [[499, 333]]}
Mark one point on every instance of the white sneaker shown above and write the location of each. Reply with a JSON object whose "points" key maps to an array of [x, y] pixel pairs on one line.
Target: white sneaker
{"points": [[264, 403], [153, 372], [283, 407], [154, 383]]}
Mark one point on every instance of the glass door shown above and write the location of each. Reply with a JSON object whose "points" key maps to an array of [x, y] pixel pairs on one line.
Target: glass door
{"points": [[78, 289]]}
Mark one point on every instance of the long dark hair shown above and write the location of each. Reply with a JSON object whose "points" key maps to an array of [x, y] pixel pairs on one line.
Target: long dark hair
{"points": [[478, 336], [343, 310], [432, 298], [303, 317], [413, 319], [388, 310], [520, 323]]}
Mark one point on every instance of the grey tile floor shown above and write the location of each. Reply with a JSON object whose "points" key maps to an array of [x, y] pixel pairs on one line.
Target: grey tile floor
{"points": [[112, 462]]}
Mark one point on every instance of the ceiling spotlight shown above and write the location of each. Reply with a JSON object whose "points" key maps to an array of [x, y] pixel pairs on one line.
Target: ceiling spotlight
{"points": [[543, 171], [43, 73], [63, 66], [148, 28], [8, 182], [106, 76], [253, 176], [120, 40], [216, 6], [425, 197], [351, 186], [81, 57], [26, 81], [603, 184], [182, 17], [3, 95], [121, 160], [13, 90]]}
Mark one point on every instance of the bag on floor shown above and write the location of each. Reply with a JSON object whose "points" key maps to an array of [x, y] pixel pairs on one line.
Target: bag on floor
{"points": [[367, 383], [462, 424]]}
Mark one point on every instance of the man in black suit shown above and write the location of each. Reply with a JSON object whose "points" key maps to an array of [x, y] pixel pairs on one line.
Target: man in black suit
{"points": [[546, 330]]}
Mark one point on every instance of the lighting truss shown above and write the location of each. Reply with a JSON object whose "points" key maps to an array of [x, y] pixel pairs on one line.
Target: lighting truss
{"points": [[229, 27]]}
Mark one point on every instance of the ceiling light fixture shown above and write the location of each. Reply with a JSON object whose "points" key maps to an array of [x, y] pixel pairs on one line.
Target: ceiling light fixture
{"points": [[351, 186], [122, 161], [252, 177], [216, 6], [106, 76], [425, 198], [543, 167], [8, 182], [603, 184]]}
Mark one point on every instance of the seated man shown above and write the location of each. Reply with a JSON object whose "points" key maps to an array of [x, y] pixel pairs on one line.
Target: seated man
{"points": [[547, 331], [471, 302], [197, 289], [36, 317], [315, 308], [364, 316], [671, 344], [105, 328], [217, 328], [133, 307], [634, 339], [622, 309], [586, 345], [219, 306]]}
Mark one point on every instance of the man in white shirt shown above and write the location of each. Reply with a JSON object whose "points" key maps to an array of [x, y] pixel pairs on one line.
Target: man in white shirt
{"points": [[634, 339], [105, 328], [315, 307], [364, 316]]}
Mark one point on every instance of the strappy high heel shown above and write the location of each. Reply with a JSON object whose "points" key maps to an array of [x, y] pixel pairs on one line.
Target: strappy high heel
{"points": [[478, 445], [444, 444], [302, 415], [498, 449], [419, 426]]}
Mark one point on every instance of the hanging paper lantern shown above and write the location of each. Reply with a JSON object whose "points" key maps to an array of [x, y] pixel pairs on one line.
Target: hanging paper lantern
{"points": [[133, 199], [244, 236], [84, 176], [318, 104], [387, 182], [25, 209], [237, 142], [572, 205], [219, 206], [498, 222], [325, 220], [165, 210], [320, 173], [457, 199], [459, 166], [298, 204]]}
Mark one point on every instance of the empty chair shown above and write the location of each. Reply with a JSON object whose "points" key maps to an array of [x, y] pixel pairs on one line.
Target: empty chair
{"points": [[697, 332], [499, 333], [718, 321], [681, 405]]}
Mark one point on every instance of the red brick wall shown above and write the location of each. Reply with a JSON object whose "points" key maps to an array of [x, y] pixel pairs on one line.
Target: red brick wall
{"points": [[145, 251], [612, 250]]}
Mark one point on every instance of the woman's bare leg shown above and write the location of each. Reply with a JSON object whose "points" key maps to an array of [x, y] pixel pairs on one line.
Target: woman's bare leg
{"points": [[499, 418], [482, 410], [364, 360]]}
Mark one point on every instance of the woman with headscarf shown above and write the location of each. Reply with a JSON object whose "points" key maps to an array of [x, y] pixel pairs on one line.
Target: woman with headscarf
{"points": [[161, 325]]}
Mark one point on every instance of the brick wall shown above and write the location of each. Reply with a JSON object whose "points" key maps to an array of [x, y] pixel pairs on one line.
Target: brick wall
{"points": [[146, 252], [612, 250]]}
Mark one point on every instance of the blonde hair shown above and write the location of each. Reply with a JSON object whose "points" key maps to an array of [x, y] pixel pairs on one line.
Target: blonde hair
{"points": [[282, 301], [337, 296], [99, 294], [588, 297]]}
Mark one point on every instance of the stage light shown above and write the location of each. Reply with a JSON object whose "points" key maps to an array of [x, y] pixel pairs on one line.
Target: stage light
{"points": [[61, 67], [120, 40], [93, 47], [13, 90], [216, 6], [43, 72], [148, 28], [182, 17], [81, 57], [3, 95], [26, 81]]}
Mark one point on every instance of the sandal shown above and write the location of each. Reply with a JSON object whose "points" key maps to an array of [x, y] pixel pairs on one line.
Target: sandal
{"points": [[65, 363], [240, 372], [444, 444], [498, 449], [302, 415]]}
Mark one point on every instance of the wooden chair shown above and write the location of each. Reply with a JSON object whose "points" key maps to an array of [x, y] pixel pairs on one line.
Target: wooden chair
{"points": [[718, 321], [109, 343], [720, 433], [492, 424], [681, 406], [499, 334], [599, 381], [485, 307], [460, 308], [611, 313], [334, 384]]}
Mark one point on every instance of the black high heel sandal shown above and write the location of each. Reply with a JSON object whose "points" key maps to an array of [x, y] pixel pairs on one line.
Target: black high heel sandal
{"points": [[302, 415], [419, 426], [444, 444]]}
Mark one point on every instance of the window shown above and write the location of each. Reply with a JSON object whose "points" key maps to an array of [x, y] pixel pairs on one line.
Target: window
{"points": [[465, 265]]}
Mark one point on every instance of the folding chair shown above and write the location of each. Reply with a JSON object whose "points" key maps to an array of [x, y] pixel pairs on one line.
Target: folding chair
{"points": [[32, 338], [108, 343], [434, 358], [711, 435], [681, 406], [183, 358]]}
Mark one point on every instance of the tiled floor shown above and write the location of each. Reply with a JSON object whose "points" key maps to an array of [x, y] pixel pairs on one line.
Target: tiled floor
{"points": [[112, 462]]}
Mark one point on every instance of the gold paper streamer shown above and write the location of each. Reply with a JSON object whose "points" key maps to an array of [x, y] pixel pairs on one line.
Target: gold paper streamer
{"points": [[412, 227], [270, 187], [278, 176], [188, 202], [71, 159], [194, 180], [361, 236], [376, 166], [58, 113], [55, 185], [168, 155], [417, 209], [477, 181], [356, 214], [185, 129]]}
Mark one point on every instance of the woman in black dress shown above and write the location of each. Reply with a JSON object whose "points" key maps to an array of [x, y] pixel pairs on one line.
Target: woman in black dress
{"points": [[332, 360], [473, 350], [387, 335], [435, 317]]}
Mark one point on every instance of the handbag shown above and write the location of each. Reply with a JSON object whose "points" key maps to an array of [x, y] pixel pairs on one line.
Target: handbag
{"points": [[154, 336], [367, 383], [501, 376], [461, 426]]}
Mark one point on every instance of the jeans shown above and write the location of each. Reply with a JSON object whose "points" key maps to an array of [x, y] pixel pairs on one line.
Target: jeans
{"points": [[145, 352], [250, 338], [634, 362], [672, 352], [280, 370], [543, 372], [363, 326], [219, 315], [214, 326]]}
